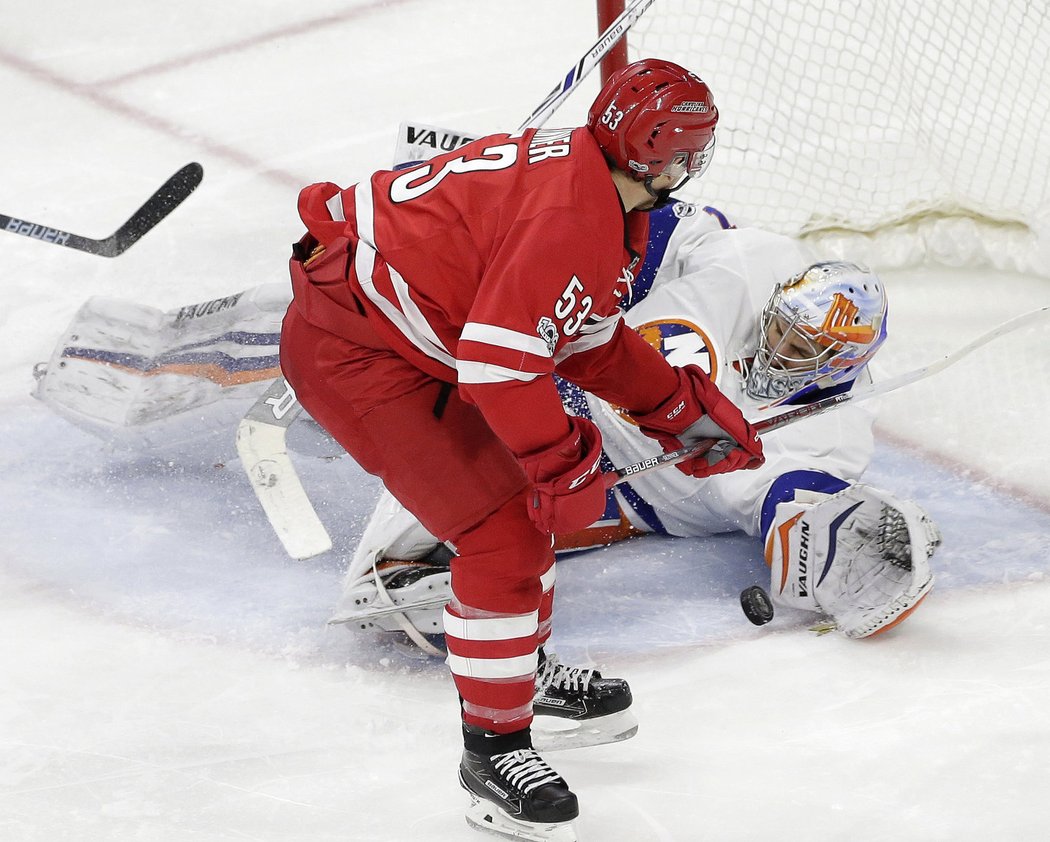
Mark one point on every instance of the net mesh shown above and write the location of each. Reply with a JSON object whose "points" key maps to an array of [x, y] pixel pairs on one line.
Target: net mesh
{"points": [[925, 119]]}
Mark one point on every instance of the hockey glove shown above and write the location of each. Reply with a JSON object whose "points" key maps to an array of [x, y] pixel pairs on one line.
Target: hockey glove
{"points": [[568, 492], [861, 556], [698, 412]]}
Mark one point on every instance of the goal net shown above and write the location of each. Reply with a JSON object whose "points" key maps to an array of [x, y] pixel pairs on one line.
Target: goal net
{"points": [[894, 131]]}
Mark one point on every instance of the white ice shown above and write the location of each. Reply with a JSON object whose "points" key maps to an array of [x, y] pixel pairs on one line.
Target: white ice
{"points": [[166, 672]]}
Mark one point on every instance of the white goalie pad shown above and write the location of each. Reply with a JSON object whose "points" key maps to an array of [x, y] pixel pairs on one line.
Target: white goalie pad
{"points": [[860, 556], [391, 552], [135, 375], [371, 602], [392, 532], [419, 142]]}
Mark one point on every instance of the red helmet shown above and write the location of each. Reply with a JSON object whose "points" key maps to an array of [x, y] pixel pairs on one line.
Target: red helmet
{"points": [[652, 117]]}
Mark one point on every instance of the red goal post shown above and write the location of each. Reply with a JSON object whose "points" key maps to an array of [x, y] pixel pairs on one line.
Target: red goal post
{"points": [[895, 130]]}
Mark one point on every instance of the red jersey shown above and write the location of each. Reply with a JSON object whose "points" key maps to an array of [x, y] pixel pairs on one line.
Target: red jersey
{"points": [[495, 265]]}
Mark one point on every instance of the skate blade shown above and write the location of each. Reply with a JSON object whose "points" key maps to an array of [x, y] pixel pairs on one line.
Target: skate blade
{"points": [[551, 733], [488, 818]]}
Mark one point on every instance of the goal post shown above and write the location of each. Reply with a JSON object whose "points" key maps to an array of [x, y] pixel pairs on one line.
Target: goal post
{"points": [[895, 130], [608, 11]]}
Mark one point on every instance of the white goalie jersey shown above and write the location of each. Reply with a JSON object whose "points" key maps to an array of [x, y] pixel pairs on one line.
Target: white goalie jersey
{"points": [[703, 308], [702, 298]]}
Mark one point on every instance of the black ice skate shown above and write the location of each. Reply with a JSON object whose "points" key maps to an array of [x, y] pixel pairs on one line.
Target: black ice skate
{"points": [[516, 795], [576, 707]]}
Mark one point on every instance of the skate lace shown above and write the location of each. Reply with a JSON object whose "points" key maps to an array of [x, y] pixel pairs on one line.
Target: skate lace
{"points": [[524, 769], [554, 673]]}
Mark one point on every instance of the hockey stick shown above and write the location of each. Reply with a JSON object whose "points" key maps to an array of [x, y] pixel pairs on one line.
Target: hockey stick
{"points": [[588, 61], [261, 434], [264, 457], [418, 141], [168, 197], [819, 407]]}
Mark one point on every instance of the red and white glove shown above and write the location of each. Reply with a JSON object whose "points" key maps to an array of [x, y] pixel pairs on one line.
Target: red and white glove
{"points": [[568, 490], [698, 412]]}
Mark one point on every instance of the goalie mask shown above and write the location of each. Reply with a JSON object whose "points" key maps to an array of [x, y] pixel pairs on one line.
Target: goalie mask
{"points": [[817, 331], [654, 118]]}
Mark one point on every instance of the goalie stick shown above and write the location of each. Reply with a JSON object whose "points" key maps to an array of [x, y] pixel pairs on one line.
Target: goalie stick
{"points": [[819, 407], [260, 442], [588, 61], [168, 196], [418, 141]]}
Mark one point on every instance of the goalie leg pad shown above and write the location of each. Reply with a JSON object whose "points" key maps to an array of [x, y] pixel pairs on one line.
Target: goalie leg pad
{"points": [[402, 596], [398, 579], [416, 589], [861, 556]]}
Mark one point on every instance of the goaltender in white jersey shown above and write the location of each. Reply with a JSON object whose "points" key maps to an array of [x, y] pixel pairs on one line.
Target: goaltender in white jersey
{"points": [[703, 308], [772, 329]]}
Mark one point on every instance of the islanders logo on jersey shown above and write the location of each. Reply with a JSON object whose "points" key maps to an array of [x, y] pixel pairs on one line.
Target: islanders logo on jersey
{"points": [[682, 343]]}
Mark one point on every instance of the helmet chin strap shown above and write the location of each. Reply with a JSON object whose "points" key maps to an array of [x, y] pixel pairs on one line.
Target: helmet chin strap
{"points": [[662, 197]]}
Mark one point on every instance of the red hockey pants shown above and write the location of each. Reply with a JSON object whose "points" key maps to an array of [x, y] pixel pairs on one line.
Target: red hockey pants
{"points": [[436, 454]]}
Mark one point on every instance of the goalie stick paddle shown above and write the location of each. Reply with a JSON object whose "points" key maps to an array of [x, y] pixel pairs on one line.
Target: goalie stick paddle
{"points": [[168, 196], [264, 457], [819, 407]]}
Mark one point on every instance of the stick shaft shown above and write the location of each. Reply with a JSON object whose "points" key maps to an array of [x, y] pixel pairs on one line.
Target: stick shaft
{"points": [[587, 62], [820, 407]]}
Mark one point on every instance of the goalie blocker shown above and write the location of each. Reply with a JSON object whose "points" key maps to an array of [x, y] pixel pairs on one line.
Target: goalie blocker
{"points": [[860, 556]]}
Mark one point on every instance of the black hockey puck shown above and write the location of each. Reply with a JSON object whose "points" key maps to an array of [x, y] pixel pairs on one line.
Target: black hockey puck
{"points": [[757, 605]]}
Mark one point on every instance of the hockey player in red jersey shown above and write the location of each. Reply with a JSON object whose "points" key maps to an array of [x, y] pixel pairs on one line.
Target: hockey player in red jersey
{"points": [[431, 307]]}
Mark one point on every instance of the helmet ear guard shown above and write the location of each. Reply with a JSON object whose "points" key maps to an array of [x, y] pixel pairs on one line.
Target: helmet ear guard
{"points": [[817, 331], [652, 118]]}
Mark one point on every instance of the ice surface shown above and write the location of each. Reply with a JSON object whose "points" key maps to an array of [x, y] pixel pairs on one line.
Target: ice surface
{"points": [[166, 671]]}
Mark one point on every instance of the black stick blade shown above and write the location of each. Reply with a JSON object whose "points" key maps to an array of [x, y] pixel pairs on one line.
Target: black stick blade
{"points": [[168, 196]]}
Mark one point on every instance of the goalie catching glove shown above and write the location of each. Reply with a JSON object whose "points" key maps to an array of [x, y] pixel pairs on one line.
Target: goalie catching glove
{"points": [[698, 412], [861, 556]]}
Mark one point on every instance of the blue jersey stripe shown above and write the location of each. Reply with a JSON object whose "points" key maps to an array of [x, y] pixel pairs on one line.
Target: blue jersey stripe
{"points": [[784, 487], [148, 364]]}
